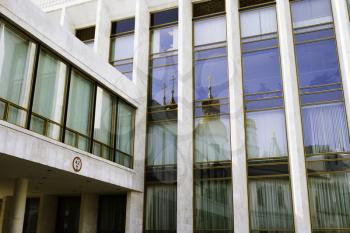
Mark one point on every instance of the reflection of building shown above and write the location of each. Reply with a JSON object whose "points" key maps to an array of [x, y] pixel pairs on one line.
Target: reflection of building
{"points": [[252, 141]]}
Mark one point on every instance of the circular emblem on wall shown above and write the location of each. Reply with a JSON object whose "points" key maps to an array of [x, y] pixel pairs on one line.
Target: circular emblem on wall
{"points": [[77, 164]]}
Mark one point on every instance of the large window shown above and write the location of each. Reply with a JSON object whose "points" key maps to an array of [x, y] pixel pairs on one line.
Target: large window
{"points": [[122, 46], [79, 115], [48, 103], [212, 170], [42, 92], [111, 214], [270, 202], [31, 215], [160, 211], [326, 139], [68, 215], [17, 54]]}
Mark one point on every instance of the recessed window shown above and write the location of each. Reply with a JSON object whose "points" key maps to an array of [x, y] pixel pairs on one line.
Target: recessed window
{"points": [[122, 46], [86, 35], [208, 8]]}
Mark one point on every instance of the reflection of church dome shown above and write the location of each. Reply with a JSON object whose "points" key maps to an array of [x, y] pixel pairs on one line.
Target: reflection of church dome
{"points": [[211, 140], [274, 149], [252, 141]]}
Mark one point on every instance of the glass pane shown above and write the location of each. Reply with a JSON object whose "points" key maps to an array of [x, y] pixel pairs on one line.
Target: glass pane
{"points": [[50, 87], [164, 39], [31, 215], [37, 125], [325, 128], [329, 201], [209, 31], [68, 214], [261, 71], [162, 143], [317, 63], [164, 17], [211, 72], [164, 85], [122, 47], [53, 131], [16, 116], [270, 204], [16, 66], [266, 134], [311, 12], [103, 116], [125, 123], [80, 104], [213, 206], [2, 110], [258, 22], [212, 139], [160, 209]]}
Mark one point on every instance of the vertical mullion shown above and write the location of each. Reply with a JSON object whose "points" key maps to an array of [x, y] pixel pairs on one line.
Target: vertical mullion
{"points": [[33, 82], [66, 102], [92, 118]]}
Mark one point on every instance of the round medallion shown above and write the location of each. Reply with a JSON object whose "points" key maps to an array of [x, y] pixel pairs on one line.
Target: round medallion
{"points": [[77, 164]]}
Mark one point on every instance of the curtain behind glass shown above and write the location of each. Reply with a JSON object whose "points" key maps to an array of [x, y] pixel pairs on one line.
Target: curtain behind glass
{"points": [[162, 144], [266, 136], [79, 109], [270, 204], [212, 139], [258, 22], [213, 206], [16, 66], [325, 128], [112, 211], [160, 209], [49, 93], [329, 200], [311, 12], [122, 47], [103, 121], [210, 31]]}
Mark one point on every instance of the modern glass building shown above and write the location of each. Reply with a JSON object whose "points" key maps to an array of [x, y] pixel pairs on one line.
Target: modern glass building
{"points": [[174, 116]]}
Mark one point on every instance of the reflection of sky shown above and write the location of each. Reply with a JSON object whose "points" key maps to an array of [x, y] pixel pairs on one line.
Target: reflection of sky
{"points": [[217, 69], [261, 71], [166, 39], [317, 63], [159, 76]]}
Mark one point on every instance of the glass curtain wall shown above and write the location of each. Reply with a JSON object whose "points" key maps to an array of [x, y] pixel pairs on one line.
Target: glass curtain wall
{"points": [[49, 92], [160, 211], [270, 201], [44, 93], [212, 169], [326, 137], [86, 35], [17, 55], [122, 46]]}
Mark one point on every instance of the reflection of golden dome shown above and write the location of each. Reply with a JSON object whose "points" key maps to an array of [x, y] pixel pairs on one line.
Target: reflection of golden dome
{"points": [[213, 126]]}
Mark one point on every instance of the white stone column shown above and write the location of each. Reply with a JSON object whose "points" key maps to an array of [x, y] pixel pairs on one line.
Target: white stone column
{"points": [[239, 162], [185, 121], [18, 206], [65, 21], [102, 31], [134, 210], [88, 213], [342, 31], [47, 214], [5, 214], [293, 119]]}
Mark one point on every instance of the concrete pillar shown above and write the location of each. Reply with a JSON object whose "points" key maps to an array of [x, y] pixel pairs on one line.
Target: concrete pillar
{"points": [[134, 212], [65, 21], [18, 206], [293, 119], [47, 214], [102, 31], [5, 214], [342, 31], [88, 213], [239, 162], [185, 121]]}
